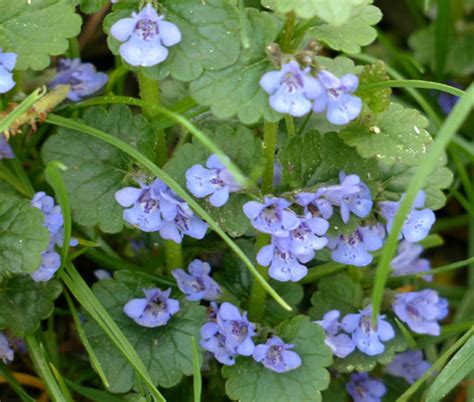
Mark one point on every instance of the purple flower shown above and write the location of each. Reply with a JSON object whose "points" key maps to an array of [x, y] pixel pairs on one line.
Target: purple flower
{"points": [[143, 205], [308, 237], [291, 89], [315, 205], [146, 36], [284, 265], [366, 338], [216, 181], [6, 352], [50, 263], [7, 64], [272, 216], [354, 249], [364, 388], [352, 195], [342, 107], [421, 310], [53, 218], [197, 285], [341, 344], [227, 334], [408, 365], [154, 310], [408, 262], [418, 222], [447, 101], [237, 329], [82, 77], [276, 356], [5, 149], [179, 219]]}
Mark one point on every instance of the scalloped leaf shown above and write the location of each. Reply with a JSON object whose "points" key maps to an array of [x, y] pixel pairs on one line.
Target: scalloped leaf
{"points": [[25, 303], [38, 30], [249, 381], [95, 169], [377, 99], [235, 90], [166, 351], [396, 135], [22, 236], [351, 35]]}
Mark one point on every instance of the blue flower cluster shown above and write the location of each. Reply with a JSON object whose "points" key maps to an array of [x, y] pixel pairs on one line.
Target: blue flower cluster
{"points": [[146, 37], [53, 221], [359, 332], [408, 262], [6, 352], [228, 333], [155, 207], [82, 77], [409, 365], [295, 92], [7, 64], [364, 388]]}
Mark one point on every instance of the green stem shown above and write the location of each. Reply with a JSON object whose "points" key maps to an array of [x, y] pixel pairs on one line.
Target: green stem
{"points": [[288, 30], [257, 292], [150, 94], [290, 126]]}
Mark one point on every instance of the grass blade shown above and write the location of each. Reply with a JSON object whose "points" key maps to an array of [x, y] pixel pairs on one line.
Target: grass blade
{"points": [[40, 361], [91, 304], [447, 131], [197, 379], [420, 84], [166, 178], [14, 384], [93, 394], [461, 364], [405, 397]]}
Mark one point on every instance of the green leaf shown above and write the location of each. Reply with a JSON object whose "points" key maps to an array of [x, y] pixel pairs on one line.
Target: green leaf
{"points": [[22, 236], [377, 99], [235, 90], [396, 135], [337, 156], [292, 293], [337, 292], [348, 37], [249, 381], [166, 351], [338, 66], [459, 59], [25, 303], [96, 170], [243, 148], [460, 365], [210, 39], [335, 12], [396, 178], [300, 158], [38, 30], [92, 6]]}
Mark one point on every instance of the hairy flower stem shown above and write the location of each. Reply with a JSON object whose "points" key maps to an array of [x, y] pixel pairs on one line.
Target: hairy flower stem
{"points": [[258, 294], [149, 92], [288, 30]]}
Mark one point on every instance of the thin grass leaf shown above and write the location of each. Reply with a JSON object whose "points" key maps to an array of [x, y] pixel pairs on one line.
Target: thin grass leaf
{"points": [[80, 331], [443, 29], [167, 179], [14, 384], [91, 304], [197, 379], [420, 84], [447, 131], [55, 180], [40, 361], [406, 334], [405, 397], [61, 383], [29, 101]]}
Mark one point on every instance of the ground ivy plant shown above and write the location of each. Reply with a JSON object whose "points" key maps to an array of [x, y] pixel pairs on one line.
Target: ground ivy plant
{"points": [[232, 200]]}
